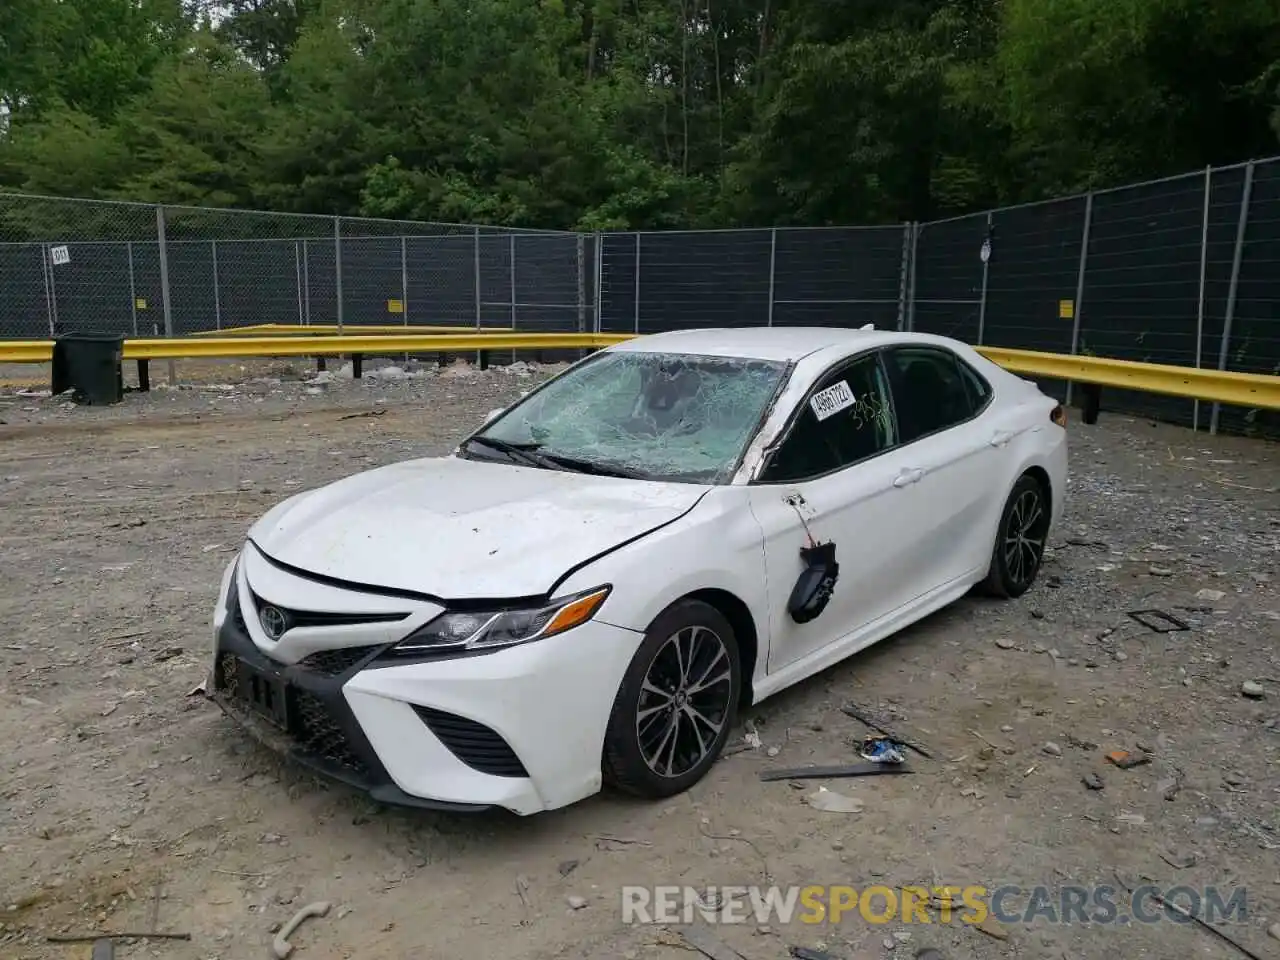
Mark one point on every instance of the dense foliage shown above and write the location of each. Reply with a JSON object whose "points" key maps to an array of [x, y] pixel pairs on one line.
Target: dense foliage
{"points": [[606, 114]]}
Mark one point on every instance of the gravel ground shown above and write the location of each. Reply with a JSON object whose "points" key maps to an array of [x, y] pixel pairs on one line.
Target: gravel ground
{"points": [[129, 804]]}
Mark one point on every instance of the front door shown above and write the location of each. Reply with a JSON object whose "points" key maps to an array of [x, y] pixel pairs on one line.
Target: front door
{"points": [[837, 476]]}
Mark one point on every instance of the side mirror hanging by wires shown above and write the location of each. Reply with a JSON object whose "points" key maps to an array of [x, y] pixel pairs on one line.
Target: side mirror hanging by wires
{"points": [[813, 589]]}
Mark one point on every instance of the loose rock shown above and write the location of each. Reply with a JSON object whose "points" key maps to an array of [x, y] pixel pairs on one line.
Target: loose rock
{"points": [[1052, 749], [1253, 690]]}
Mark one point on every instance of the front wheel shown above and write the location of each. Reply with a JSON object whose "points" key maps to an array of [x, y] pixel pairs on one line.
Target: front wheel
{"points": [[676, 704], [1020, 540]]}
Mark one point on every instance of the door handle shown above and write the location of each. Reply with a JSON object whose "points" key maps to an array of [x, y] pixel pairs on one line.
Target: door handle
{"points": [[908, 477], [1001, 437]]}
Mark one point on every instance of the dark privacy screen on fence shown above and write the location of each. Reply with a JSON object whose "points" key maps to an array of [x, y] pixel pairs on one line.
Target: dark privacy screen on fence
{"points": [[1184, 270]]}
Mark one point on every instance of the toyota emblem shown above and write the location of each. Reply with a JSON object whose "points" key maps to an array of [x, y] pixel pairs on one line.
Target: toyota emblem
{"points": [[273, 621]]}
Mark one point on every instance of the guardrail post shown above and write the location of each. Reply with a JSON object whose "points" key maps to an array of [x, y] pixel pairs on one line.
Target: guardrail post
{"points": [[165, 299], [1204, 263], [1078, 310], [773, 270], [637, 278], [1242, 225], [986, 268], [217, 298]]}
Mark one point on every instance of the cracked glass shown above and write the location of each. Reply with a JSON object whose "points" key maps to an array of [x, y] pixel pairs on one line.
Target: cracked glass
{"points": [[652, 415]]}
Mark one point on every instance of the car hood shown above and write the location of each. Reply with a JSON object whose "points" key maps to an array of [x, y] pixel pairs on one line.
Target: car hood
{"points": [[464, 529]]}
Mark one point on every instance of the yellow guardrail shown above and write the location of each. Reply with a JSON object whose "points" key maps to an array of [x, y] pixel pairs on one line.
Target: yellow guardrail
{"points": [[1240, 389], [332, 329], [41, 351]]}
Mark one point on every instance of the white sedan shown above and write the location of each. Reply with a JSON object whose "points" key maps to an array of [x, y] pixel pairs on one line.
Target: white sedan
{"points": [[593, 584]]}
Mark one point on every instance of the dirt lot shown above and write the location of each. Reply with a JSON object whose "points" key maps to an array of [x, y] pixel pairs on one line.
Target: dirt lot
{"points": [[128, 804]]}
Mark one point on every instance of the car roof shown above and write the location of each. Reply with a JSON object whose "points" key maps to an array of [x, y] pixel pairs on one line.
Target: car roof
{"points": [[771, 343]]}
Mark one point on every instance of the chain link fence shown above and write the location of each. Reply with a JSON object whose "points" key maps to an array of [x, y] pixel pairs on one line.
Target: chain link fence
{"points": [[75, 266], [1184, 270]]}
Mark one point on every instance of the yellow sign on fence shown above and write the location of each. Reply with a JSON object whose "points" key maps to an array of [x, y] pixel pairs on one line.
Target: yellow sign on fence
{"points": [[140, 303], [1066, 309], [395, 306]]}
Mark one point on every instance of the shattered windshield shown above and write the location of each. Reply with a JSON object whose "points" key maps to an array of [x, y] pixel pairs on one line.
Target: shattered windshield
{"points": [[650, 415]]}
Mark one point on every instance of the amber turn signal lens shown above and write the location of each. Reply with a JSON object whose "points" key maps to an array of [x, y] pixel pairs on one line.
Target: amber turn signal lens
{"points": [[1059, 416]]}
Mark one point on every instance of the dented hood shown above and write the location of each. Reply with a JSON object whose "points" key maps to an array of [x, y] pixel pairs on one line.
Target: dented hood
{"points": [[464, 529]]}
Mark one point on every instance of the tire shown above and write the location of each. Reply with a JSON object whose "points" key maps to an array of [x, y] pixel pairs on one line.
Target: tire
{"points": [[1020, 539], [641, 757]]}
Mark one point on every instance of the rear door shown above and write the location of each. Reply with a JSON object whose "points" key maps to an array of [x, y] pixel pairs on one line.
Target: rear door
{"points": [[957, 447]]}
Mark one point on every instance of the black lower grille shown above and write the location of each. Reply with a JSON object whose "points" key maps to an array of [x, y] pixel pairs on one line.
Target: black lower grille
{"points": [[318, 733], [473, 743], [331, 663]]}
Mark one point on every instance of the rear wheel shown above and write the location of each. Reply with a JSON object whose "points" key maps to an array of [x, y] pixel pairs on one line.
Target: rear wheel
{"points": [[676, 704], [1020, 540]]}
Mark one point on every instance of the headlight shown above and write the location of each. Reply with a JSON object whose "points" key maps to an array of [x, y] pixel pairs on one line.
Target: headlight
{"points": [[502, 628]]}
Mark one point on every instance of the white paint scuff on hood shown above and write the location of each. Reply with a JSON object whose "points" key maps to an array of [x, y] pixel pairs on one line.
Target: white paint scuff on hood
{"points": [[464, 529]]}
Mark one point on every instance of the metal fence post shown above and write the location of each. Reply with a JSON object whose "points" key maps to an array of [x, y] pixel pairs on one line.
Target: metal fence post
{"points": [[1204, 262], [133, 290], [337, 267], [217, 298], [582, 284], [404, 278], [165, 300], [986, 267], [773, 269], [306, 282], [53, 290], [1077, 310], [637, 272], [46, 272], [904, 269], [1242, 225], [476, 258], [911, 290], [297, 277], [511, 255], [599, 324]]}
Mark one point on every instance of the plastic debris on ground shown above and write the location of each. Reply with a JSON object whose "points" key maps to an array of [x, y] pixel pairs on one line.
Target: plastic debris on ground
{"points": [[882, 750], [832, 802]]}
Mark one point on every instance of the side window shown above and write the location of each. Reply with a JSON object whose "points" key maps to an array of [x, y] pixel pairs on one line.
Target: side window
{"points": [[979, 389], [846, 418], [929, 391]]}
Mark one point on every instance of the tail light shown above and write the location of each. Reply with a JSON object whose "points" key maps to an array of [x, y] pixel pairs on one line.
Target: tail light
{"points": [[1059, 416]]}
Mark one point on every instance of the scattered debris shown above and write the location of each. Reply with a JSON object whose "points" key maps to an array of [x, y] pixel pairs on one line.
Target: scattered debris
{"points": [[805, 953], [866, 717], [882, 750], [281, 946], [367, 413], [620, 841], [1126, 760], [1253, 690], [1092, 781], [1274, 931], [1157, 621], [1209, 596], [1133, 819], [1170, 905], [576, 902], [700, 938], [567, 867], [992, 929], [1052, 749], [1004, 643], [822, 773], [831, 802], [1179, 861], [1170, 787], [95, 937]]}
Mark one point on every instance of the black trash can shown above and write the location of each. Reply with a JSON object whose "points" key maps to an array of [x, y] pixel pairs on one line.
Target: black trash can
{"points": [[92, 365]]}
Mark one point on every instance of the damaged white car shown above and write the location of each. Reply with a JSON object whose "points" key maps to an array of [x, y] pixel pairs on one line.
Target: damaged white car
{"points": [[593, 584]]}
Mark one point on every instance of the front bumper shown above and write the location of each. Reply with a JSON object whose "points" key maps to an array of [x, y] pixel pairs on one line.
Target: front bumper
{"points": [[521, 728]]}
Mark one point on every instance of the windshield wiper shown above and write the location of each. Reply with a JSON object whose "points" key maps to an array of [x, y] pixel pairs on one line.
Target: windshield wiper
{"points": [[592, 467], [520, 452]]}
